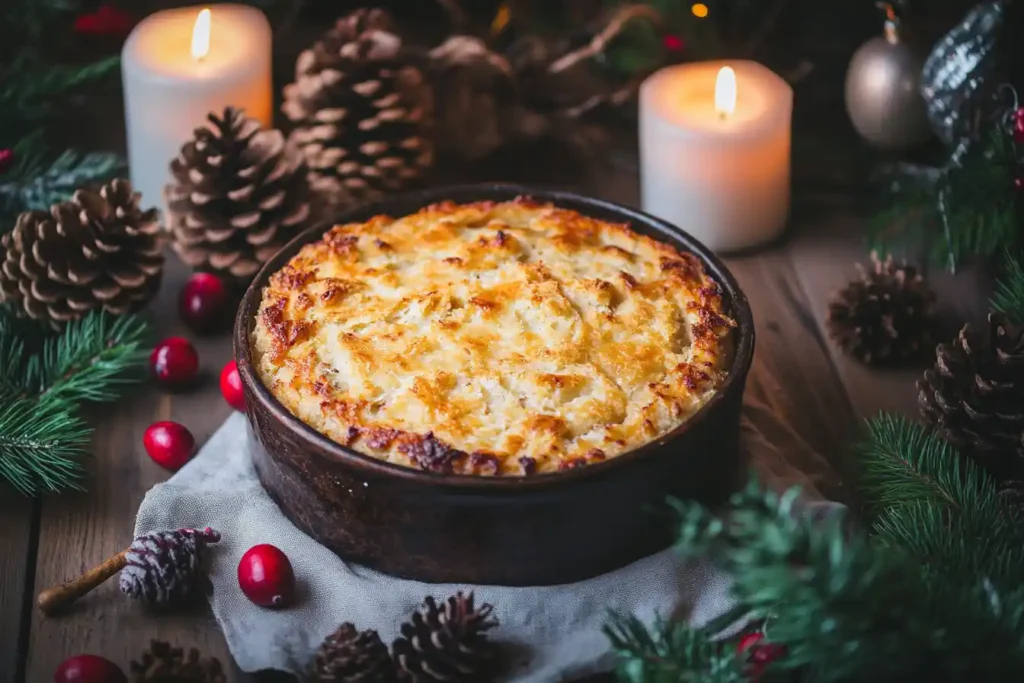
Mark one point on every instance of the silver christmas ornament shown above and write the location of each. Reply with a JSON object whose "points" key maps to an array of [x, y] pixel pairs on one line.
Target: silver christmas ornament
{"points": [[957, 70], [883, 95]]}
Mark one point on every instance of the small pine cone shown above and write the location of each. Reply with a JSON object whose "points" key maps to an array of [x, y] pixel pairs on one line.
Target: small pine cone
{"points": [[885, 316], [348, 656], [447, 643], [238, 195], [973, 395], [165, 664], [361, 110], [163, 566], [95, 251]]}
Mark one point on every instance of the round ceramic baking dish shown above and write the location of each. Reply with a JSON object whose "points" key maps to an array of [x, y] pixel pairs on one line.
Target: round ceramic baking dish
{"points": [[535, 530]]}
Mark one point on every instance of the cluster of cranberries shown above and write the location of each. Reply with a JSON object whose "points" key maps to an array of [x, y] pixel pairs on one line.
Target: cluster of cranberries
{"points": [[174, 363]]}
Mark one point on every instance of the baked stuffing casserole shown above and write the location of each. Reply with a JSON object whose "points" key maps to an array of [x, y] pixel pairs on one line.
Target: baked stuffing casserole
{"points": [[491, 338]]}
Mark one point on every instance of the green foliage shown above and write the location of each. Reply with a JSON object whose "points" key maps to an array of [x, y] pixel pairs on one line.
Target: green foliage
{"points": [[933, 594], [39, 181], [980, 219], [35, 88], [45, 378], [1009, 295], [937, 505], [671, 652]]}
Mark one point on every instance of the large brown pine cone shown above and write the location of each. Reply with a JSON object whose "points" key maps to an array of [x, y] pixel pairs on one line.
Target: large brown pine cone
{"points": [[975, 394], [348, 656], [95, 251], [165, 664], [885, 315], [238, 195], [447, 642], [361, 110]]}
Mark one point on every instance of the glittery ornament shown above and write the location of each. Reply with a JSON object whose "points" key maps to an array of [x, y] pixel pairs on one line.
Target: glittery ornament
{"points": [[956, 73], [882, 90]]}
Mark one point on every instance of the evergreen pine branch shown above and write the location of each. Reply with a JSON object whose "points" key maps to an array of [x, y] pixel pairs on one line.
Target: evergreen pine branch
{"points": [[92, 360], [902, 463], [42, 437], [850, 608], [1009, 295], [980, 214], [937, 505], [35, 189], [670, 652], [42, 444]]}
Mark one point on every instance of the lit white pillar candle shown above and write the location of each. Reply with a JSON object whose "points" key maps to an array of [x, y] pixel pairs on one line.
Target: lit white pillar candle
{"points": [[178, 66], [714, 151]]}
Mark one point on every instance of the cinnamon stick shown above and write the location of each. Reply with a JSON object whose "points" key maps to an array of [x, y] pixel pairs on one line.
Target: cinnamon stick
{"points": [[57, 598]]}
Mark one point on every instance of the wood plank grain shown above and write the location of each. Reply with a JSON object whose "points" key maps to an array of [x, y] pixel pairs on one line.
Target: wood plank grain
{"points": [[79, 531], [17, 555]]}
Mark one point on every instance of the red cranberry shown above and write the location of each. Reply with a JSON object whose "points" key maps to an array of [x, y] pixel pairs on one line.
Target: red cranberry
{"points": [[265, 576], [203, 304], [88, 669], [170, 444], [231, 386], [174, 362]]}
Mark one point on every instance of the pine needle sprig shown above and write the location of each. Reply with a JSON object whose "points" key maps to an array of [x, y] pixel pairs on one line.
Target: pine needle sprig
{"points": [[849, 608], [903, 463], [92, 360], [1009, 295], [37, 182], [937, 505], [44, 379], [670, 652], [978, 216], [42, 445]]}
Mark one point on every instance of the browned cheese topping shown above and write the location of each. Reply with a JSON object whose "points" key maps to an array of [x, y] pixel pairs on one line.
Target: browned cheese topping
{"points": [[492, 338]]}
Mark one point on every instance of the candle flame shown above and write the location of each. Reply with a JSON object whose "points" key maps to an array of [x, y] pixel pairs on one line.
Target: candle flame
{"points": [[201, 35], [725, 91]]}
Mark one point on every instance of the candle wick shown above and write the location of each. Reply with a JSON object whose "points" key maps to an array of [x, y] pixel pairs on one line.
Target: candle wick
{"points": [[722, 116]]}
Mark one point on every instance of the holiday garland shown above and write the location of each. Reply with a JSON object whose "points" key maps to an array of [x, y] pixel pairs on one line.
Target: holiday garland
{"points": [[45, 377], [931, 593]]}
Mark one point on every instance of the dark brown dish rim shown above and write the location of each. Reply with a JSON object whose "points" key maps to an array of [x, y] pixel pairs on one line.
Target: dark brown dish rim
{"points": [[736, 305]]}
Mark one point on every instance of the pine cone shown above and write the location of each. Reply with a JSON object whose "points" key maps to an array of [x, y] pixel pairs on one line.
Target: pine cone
{"points": [[164, 566], [885, 316], [238, 195], [95, 251], [973, 394], [165, 664], [447, 643], [348, 656], [361, 110]]}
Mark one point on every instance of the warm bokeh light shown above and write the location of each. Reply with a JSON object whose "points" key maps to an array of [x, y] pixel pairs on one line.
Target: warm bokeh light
{"points": [[201, 35], [725, 91], [700, 10]]}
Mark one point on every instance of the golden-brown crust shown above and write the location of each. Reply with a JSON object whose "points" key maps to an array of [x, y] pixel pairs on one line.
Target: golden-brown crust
{"points": [[492, 338]]}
